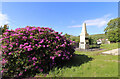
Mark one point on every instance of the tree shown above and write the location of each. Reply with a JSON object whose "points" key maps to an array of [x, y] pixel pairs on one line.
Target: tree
{"points": [[112, 31], [67, 36], [92, 40], [3, 29]]}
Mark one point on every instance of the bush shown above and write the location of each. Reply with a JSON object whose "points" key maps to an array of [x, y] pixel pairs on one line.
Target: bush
{"points": [[31, 50]]}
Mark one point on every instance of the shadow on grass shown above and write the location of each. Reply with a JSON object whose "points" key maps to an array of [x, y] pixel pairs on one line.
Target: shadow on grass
{"points": [[76, 60]]}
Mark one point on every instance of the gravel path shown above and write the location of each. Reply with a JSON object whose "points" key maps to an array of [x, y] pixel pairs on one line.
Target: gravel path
{"points": [[113, 52]]}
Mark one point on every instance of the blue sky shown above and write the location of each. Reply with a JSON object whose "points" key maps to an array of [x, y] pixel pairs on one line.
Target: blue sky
{"points": [[66, 17]]}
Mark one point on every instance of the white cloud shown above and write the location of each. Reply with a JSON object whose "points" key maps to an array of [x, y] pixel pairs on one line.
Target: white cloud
{"points": [[99, 22], [75, 26], [3, 19]]}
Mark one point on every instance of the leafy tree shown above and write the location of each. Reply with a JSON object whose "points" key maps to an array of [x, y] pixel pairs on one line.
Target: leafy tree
{"points": [[112, 31], [98, 36], [67, 36], [92, 40], [3, 29]]}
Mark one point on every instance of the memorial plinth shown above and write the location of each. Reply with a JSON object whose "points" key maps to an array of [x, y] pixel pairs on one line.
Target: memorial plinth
{"points": [[84, 41]]}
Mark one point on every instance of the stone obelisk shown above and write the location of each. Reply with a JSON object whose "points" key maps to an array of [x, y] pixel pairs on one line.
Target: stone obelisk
{"points": [[84, 41]]}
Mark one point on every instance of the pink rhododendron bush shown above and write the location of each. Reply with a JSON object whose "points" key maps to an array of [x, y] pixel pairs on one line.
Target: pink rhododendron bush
{"points": [[30, 50]]}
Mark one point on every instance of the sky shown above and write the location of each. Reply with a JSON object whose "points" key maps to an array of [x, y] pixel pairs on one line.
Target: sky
{"points": [[66, 17]]}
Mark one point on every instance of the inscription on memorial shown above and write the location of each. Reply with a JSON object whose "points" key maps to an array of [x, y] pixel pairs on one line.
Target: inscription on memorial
{"points": [[82, 42]]}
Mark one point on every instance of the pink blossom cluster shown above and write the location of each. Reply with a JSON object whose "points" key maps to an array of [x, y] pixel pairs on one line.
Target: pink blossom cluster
{"points": [[33, 47]]}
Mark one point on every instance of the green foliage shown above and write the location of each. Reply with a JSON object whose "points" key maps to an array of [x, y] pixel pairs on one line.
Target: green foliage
{"points": [[92, 40], [113, 30], [73, 38], [98, 36], [3, 29], [67, 36]]}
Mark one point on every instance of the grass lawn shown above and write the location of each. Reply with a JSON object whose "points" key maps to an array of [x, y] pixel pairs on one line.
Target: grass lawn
{"points": [[88, 64]]}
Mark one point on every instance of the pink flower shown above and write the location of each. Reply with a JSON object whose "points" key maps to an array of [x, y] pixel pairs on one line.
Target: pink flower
{"points": [[5, 33], [25, 43], [57, 37], [18, 36], [21, 45], [31, 36], [68, 52], [4, 61], [20, 74], [34, 58], [41, 41], [36, 67], [29, 49], [60, 32], [73, 41], [3, 46], [39, 45], [1, 71], [56, 32], [43, 45], [24, 48], [29, 60], [10, 53], [64, 55], [11, 45], [56, 46], [16, 44], [39, 30], [33, 63], [31, 33], [52, 57], [36, 45], [48, 41], [59, 55], [65, 43], [24, 37], [47, 45], [29, 45], [41, 70]]}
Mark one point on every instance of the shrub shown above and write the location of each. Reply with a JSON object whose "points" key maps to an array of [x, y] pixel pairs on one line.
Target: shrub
{"points": [[31, 50]]}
